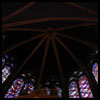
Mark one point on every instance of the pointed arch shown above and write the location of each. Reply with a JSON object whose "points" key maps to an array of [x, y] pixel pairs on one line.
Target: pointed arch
{"points": [[95, 71]]}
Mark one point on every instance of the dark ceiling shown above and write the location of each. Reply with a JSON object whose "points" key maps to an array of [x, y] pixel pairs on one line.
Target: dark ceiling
{"points": [[50, 10]]}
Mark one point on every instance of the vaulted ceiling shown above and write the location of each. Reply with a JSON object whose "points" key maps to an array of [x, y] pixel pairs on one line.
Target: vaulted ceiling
{"points": [[75, 24]]}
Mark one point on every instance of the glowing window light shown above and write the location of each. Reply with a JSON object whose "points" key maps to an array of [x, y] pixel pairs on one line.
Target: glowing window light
{"points": [[6, 67], [15, 89], [59, 91], [30, 87], [5, 73], [73, 90], [95, 71], [85, 88]]}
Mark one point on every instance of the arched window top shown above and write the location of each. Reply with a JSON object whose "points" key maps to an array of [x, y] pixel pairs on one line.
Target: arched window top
{"points": [[72, 78], [80, 73], [95, 65], [82, 78], [19, 81], [29, 82]]}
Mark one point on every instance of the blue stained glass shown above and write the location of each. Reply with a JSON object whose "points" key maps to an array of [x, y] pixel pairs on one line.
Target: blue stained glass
{"points": [[59, 91], [6, 67], [5, 73], [7, 56], [12, 65], [95, 71], [73, 90]]}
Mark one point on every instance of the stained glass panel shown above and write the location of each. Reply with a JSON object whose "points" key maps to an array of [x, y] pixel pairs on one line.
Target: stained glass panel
{"points": [[29, 87], [59, 91], [73, 90], [15, 89], [95, 71], [85, 88], [5, 73], [7, 64]]}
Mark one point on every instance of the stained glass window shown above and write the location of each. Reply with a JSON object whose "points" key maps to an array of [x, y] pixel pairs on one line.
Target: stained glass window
{"points": [[85, 88], [15, 88], [5, 73], [29, 87], [95, 71], [73, 90], [59, 91], [7, 64]]}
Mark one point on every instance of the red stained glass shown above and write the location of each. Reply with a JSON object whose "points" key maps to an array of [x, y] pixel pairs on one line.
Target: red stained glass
{"points": [[85, 88]]}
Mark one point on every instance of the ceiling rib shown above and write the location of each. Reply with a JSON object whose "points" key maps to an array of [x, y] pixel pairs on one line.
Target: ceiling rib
{"points": [[18, 11], [49, 19], [75, 26], [43, 62], [59, 68], [82, 8], [24, 29], [85, 42], [22, 43]]}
